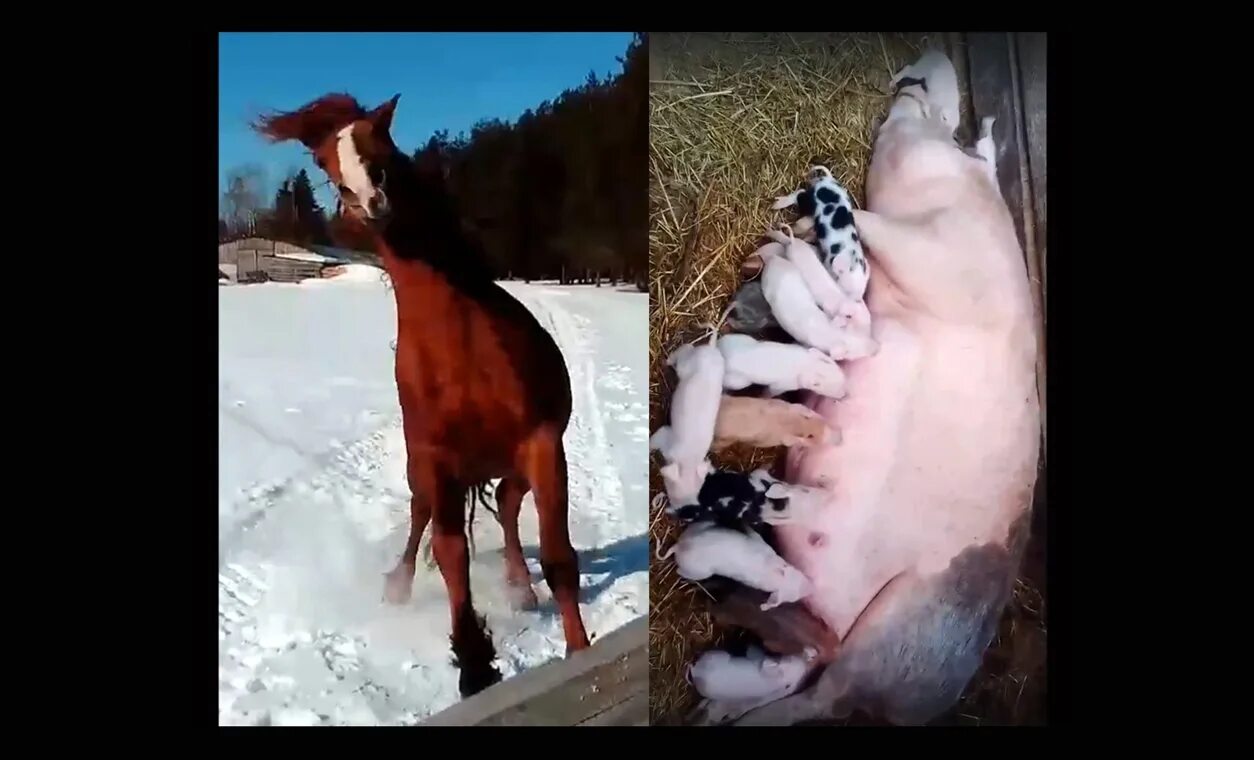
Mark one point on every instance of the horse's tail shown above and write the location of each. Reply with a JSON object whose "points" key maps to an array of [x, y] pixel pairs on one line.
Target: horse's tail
{"points": [[478, 493]]}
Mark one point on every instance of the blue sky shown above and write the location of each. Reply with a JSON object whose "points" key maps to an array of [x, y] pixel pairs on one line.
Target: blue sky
{"points": [[446, 81]]}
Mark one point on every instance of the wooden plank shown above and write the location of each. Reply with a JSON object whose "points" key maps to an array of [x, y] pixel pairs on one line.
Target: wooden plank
{"points": [[999, 88], [634, 711], [1030, 50], [605, 684], [956, 49], [992, 94]]}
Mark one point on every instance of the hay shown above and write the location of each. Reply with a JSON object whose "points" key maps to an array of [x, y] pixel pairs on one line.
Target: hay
{"points": [[735, 120]]}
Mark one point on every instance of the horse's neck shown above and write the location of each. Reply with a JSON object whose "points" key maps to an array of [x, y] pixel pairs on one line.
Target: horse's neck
{"points": [[425, 250]]}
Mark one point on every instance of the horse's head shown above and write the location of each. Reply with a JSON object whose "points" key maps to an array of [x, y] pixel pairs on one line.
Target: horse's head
{"points": [[353, 146]]}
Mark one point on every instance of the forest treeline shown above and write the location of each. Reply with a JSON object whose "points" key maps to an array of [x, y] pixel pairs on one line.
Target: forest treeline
{"points": [[559, 194]]}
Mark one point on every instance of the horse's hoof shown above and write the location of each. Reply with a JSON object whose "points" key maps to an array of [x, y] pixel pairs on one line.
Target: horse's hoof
{"points": [[471, 683], [398, 585], [522, 597]]}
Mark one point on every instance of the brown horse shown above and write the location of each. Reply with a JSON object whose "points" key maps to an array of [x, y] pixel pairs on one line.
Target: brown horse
{"points": [[484, 390]]}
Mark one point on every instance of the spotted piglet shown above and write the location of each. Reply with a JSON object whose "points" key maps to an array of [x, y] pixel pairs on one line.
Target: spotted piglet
{"points": [[706, 550], [827, 205], [754, 499]]}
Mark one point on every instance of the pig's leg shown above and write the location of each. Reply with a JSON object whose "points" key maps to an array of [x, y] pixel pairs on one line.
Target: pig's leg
{"points": [[734, 381], [803, 226], [986, 147], [679, 355], [786, 201], [661, 439], [903, 247]]}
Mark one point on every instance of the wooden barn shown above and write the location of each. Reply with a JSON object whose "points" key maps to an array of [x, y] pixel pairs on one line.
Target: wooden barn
{"points": [[260, 260]]}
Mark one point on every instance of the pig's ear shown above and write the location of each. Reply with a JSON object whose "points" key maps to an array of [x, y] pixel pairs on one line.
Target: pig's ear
{"points": [[777, 491]]}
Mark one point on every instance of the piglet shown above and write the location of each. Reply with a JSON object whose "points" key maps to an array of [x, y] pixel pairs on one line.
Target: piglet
{"points": [[733, 686], [782, 367], [706, 549], [794, 308], [827, 210], [835, 303], [734, 499], [685, 443], [767, 423]]}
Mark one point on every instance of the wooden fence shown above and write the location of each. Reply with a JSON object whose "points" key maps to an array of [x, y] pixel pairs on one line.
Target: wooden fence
{"points": [[251, 255], [606, 684]]}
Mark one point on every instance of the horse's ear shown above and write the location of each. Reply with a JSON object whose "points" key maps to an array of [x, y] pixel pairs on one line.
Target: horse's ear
{"points": [[382, 116]]}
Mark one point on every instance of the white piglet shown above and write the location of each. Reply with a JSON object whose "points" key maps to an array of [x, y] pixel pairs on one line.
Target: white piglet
{"points": [[796, 311], [706, 549], [717, 674], [685, 443], [782, 367], [733, 686], [828, 296]]}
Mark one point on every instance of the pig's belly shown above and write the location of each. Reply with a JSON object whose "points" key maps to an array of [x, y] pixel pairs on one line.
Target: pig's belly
{"points": [[937, 437]]}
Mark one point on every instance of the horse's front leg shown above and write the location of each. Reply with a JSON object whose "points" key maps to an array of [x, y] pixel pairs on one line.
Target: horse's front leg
{"points": [[472, 647]]}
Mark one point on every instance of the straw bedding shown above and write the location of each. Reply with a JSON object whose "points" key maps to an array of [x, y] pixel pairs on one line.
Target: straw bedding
{"points": [[736, 119]]}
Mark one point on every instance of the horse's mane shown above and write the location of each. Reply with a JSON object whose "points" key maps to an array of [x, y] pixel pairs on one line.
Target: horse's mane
{"points": [[313, 121]]}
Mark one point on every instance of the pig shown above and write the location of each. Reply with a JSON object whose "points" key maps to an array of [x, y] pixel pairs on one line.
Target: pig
{"points": [[835, 303], [686, 441], [748, 681], [782, 367], [915, 557], [767, 423], [827, 208], [795, 310], [705, 549]]}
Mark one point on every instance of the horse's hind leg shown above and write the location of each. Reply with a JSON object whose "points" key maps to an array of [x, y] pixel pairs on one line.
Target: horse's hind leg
{"points": [[471, 645], [399, 581], [544, 462], [509, 497]]}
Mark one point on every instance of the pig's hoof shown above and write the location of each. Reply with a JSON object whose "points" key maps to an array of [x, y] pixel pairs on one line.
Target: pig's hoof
{"points": [[986, 126], [522, 597], [751, 268], [714, 713], [398, 584]]}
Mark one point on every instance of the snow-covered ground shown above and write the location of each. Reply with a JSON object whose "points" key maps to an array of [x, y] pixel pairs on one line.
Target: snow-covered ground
{"points": [[313, 506]]}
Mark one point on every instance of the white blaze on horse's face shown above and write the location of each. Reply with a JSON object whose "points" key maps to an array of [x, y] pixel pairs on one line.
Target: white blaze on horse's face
{"points": [[362, 194]]}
